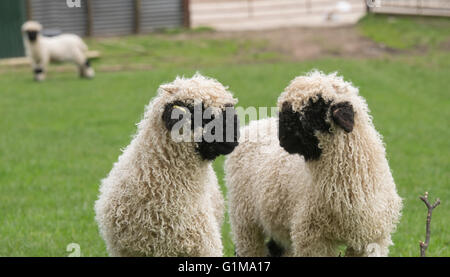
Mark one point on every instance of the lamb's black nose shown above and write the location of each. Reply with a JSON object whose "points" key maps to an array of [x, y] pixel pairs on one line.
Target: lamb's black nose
{"points": [[32, 35], [228, 139]]}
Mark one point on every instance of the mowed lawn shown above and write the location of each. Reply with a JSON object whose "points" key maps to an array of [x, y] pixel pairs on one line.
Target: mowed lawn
{"points": [[59, 138]]}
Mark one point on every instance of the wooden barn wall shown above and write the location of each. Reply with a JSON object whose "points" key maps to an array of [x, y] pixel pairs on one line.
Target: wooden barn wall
{"points": [[413, 7], [266, 14]]}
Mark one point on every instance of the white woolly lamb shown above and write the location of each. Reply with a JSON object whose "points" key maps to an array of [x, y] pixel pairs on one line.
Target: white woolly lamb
{"points": [[62, 48], [162, 197], [323, 182]]}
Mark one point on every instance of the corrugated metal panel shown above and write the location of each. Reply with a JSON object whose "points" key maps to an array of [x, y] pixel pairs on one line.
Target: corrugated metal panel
{"points": [[161, 14], [112, 17], [12, 15], [109, 17], [54, 14]]}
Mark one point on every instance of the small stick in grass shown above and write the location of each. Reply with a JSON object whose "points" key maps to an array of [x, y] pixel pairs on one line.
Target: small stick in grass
{"points": [[424, 245]]}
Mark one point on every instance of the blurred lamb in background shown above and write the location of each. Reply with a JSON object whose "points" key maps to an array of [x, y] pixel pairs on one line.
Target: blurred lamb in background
{"points": [[61, 48]]}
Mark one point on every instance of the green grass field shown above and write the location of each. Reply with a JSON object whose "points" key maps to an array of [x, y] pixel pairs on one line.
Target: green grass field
{"points": [[59, 138]]}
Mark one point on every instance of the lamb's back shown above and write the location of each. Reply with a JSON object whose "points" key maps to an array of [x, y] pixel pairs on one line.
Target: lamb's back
{"points": [[265, 177]]}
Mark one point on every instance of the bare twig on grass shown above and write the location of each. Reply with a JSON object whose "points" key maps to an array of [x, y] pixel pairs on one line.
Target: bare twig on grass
{"points": [[424, 245]]}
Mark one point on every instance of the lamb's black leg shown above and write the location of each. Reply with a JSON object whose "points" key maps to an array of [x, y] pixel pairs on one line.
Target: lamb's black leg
{"points": [[85, 68], [38, 74], [274, 249]]}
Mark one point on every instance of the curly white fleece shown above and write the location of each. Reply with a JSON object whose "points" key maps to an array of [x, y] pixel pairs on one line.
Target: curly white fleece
{"points": [[347, 196], [161, 198]]}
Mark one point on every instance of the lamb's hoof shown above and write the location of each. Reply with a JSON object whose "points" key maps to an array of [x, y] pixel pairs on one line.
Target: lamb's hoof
{"points": [[39, 77], [89, 74]]}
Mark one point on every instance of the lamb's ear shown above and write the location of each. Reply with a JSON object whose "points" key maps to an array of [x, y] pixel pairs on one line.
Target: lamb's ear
{"points": [[173, 113], [169, 88], [343, 115]]}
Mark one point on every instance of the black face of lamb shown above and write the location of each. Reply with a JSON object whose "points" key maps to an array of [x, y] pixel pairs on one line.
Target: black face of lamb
{"points": [[32, 35], [208, 150], [296, 131]]}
